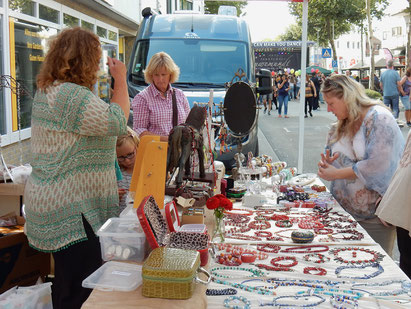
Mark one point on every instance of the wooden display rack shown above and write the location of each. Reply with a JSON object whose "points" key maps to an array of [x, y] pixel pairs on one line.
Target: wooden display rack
{"points": [[149, 174]]}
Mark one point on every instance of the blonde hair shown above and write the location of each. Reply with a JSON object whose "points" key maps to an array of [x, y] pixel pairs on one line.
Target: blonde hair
{"points": [[354, 96], [130, 136], [73, 56], [159, 61]]}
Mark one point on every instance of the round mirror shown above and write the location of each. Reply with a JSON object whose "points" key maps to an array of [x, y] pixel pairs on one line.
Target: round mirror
{"points": [[240, 112]]}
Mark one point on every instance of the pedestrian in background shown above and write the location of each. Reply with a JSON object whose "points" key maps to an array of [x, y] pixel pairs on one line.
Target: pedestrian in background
{"points": [[283, 87], [363, 150], [390, 85], [72, 189], [297, 86], [317, 83], [292, 87], [310, 93], [405, 95]]}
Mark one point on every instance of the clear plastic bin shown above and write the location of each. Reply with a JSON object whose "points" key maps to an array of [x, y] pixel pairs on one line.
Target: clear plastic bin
{"points": [[31, 297], [115, 276], [123, 239]]}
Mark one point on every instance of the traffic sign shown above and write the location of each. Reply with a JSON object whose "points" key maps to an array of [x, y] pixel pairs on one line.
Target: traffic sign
{"points": [[326, 53], [334, 64]]}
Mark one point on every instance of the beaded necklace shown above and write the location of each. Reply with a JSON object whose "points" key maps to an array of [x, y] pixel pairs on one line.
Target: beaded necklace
{"points": [[263, 248], [339, 302], [244, 287], [243, 237], [283, 223], [300, 301], [306, 249], [377, 257], [259, 225], [277, 259], [263, 234], [218, 292], [237, 299], [405, 287], [318, 271], [379, 271], [273, 268], [355, 235], [254, 272], [321, 258]]}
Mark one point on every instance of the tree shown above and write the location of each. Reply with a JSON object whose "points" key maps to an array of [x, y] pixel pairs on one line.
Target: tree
{"points": [[211, 7], [329, 19], [292, 33]]}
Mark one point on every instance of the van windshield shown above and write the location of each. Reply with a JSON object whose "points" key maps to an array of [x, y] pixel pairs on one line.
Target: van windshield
{"points": [[201, 61]]}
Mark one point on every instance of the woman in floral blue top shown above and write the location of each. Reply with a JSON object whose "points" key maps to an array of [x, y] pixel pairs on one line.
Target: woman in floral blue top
{"points": [[362, 153]]}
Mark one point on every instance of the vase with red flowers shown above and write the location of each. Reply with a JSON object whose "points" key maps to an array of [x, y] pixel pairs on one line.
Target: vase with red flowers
{"points": [[219, 203]]}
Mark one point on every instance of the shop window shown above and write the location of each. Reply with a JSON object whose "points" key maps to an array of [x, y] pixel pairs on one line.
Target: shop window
{"points": [[29, 50], [70, 21], [186, 5], [102, 32], [48, 14], [87, 25], [25, 7], [112, 35]]}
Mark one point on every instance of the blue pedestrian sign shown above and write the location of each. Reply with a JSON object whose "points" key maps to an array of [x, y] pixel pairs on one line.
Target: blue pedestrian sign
{"points": [[326, 53], [334, 64]]}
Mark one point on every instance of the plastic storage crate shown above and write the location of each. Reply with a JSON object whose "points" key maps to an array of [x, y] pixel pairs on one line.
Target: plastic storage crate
{"points": [[123, 239]]}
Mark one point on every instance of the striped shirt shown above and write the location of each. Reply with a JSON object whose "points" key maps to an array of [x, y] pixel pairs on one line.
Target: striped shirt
{"points": [[152, 112]]}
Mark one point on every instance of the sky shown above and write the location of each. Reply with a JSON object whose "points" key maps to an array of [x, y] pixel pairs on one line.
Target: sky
{"points": [[268, 19]]}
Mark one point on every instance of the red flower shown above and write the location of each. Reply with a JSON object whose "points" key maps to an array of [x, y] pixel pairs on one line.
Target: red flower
{"points": [[226, 203], [213, 202]]}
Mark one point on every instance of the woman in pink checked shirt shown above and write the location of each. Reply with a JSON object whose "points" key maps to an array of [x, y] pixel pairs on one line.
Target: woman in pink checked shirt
{"points": [[153, 107]]}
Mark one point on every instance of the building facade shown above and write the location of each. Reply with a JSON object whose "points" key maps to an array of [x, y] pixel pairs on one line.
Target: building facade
{"points": [[26, 26]]}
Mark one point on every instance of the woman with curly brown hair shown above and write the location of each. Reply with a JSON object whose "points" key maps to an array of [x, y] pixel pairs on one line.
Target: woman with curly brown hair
{"points": [[72, 190]]}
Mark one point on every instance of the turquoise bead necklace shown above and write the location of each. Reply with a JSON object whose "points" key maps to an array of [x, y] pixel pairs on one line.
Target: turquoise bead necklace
{"points": [[244, 287], [254, 272], [245, 301]]}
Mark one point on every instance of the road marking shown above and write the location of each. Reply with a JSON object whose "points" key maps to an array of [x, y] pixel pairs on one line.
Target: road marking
{"points": [[286, 130]]}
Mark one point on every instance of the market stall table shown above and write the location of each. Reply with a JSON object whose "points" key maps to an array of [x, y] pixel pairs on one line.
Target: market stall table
{"points": [[331, 272]]}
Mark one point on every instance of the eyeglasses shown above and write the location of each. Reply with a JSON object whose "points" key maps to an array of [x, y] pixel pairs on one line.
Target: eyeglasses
{"points": [[127, 156]]}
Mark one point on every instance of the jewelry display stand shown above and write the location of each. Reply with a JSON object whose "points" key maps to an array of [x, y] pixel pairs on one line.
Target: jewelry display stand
{"points": [[149, 174]]}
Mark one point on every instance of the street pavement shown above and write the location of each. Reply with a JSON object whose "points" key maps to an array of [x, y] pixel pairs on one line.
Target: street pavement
{"points": [[279, 137]]}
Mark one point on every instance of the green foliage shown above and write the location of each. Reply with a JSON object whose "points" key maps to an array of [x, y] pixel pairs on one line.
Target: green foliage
{"points": [[292, 33], [324, 15], [211, 7], [373, 94]]}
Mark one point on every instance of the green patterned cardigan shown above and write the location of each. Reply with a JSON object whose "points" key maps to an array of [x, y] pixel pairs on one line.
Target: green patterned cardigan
{"points": [[73, 154]]}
